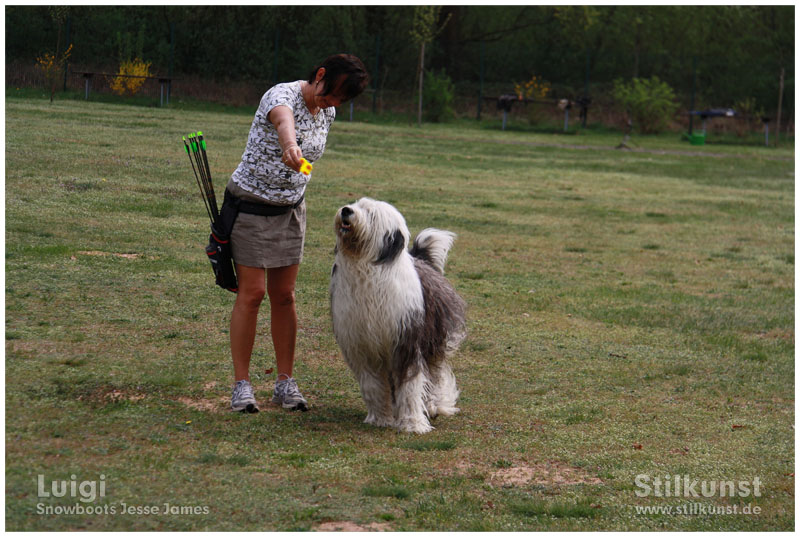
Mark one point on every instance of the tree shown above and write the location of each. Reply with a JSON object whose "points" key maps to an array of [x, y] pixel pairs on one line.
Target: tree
{"points": [[649, 102], [53, 64], [423, 31], [779, 37], [738, 51]]}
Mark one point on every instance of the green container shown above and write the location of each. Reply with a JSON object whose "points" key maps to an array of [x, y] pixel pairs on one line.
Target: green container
{"points": [[697, 139]]}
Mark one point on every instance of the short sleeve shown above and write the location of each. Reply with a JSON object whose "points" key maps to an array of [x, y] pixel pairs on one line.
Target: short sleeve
{"points": [[280, 95]]}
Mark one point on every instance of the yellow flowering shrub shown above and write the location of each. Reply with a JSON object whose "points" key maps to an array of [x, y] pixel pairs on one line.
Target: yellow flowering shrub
{"points": [[535, 88], [51, 65], [123, 84]]}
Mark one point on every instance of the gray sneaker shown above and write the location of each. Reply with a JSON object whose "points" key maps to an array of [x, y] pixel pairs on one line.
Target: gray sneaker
{"points": [[288, 396], [242, 399]]}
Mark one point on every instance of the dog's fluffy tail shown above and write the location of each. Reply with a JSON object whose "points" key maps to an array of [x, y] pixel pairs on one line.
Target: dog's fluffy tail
{"points": [[432, 246]]}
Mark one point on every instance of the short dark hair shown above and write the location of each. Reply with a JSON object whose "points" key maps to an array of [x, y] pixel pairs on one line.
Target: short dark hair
{"points": [[348, 66]]}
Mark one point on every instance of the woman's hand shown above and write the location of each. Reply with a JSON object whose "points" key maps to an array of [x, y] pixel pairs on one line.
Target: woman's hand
{"points": [[292, 157]]}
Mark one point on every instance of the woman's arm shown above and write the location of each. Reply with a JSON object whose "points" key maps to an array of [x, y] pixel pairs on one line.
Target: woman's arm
{"points": [[283, 119]]}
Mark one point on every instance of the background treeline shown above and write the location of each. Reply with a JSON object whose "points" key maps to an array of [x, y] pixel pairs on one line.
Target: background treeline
{"points": [[729, 55]]}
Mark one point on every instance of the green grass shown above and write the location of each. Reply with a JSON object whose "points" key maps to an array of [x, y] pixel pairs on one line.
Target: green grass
{"points": [[630, 312], [542, 508]]}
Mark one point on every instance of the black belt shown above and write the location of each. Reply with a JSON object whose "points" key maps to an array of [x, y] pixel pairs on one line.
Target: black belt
{"points": [[262, 209]]}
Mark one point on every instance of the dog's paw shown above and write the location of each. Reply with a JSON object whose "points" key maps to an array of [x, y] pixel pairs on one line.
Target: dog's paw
{"points": [[414, 426], [378, 421], [447, 411]]}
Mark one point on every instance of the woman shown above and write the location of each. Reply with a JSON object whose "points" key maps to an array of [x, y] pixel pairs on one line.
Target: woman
{"points": [[291, 123]]}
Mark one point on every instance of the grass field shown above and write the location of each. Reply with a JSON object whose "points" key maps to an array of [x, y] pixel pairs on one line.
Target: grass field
{"points": [[630, 313]]}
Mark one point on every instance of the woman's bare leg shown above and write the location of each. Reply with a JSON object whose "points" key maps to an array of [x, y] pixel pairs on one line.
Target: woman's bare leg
{"points": [[283, 318], [244, 318]]}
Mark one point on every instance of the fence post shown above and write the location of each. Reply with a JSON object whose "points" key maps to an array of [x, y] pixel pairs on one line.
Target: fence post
{"points": [[694, 81], [780, 104], [584, 110], [376, 71], [171, 57], [66, 62], [87, 77], [480, 87]]}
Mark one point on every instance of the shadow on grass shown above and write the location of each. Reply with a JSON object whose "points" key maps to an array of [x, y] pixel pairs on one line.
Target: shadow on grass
{"points": [[350, 417]]}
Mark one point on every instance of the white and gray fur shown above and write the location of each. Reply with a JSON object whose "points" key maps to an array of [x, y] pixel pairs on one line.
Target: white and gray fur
{"points": [[395, 316]]}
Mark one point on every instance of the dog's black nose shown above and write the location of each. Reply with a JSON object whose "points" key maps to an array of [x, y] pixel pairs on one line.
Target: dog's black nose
{"points": [[346, 211]]}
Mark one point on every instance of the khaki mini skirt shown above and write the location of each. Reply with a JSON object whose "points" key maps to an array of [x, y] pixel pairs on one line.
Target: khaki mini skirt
{"points": [[267, 241]]}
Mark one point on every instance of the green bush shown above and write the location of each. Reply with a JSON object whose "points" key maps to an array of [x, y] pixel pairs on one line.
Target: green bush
{"points": [[437, 97], [649, 102]]}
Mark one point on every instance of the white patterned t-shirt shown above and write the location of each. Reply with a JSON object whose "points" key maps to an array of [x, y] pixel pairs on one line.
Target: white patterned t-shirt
{"points": [[261, 171]]}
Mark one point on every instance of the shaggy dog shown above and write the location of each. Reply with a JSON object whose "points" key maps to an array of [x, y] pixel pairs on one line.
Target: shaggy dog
{"points": [[395, 316]]}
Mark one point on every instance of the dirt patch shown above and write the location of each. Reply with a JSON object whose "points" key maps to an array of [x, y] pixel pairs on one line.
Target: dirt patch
{"points": [[546, 473], [218, 406], [104, 254], [118, 395], [463, 466], [786, 335], [38, 347], [352, 526], [221, 404], [107, 395]]}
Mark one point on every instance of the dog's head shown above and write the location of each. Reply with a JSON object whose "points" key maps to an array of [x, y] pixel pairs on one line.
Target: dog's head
{"points": [[371, 230]]}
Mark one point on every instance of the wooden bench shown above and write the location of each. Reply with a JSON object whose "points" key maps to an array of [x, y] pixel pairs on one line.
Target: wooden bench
{"points": [[163, 82]]}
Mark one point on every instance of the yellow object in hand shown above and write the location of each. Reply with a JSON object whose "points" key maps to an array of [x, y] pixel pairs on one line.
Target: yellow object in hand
{"points": [[305, 166]]}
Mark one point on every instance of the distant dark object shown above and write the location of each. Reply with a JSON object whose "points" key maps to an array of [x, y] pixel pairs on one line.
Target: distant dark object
{"points": [[628, 129], [700, 139], [584, 103], [504, 103], [566, 105], [507, 100], [765, 120], [695, 139], [714, 112]]}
